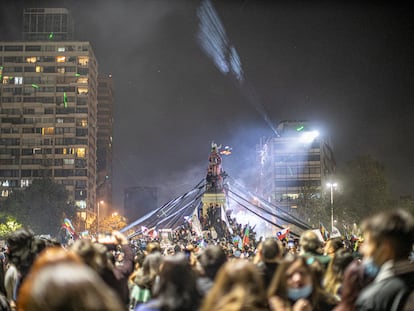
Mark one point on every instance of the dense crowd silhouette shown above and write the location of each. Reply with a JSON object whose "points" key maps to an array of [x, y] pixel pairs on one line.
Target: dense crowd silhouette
{"points": [[214, 273]]}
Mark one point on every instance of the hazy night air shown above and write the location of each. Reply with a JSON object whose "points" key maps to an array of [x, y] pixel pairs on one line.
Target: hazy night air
{"points": [[348, 66]]}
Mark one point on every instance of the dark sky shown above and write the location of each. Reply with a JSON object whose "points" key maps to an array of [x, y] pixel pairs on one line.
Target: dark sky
{"points": [[348, 65]]}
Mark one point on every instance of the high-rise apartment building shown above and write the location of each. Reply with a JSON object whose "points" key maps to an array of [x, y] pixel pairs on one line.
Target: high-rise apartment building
{"points": [[294, 162], [48, 117], [104, 143], [43, 24]]}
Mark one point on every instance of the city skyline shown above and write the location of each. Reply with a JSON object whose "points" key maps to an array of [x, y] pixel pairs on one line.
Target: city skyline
{"points": [[347, 67]]}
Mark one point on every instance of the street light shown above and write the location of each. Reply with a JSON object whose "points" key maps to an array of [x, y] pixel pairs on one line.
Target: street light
{"points": [[98, 212], [332, 186]]}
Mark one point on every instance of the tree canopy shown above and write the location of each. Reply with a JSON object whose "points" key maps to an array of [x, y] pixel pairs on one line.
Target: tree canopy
{"points": [[41, 207], [362, 190]]}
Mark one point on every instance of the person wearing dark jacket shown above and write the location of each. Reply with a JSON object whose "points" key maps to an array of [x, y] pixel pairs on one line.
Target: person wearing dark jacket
{"points": [[388, 241]]}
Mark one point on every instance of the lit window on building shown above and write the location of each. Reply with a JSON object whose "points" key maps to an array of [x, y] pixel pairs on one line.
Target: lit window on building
{"points": [[81, 204], [82, 90], [5, 183], [83, 60], [31, 60], [24, 183], [39, 68], [48, 130], [60, 69], [68, 161], [5, 193], [81, 152], [82, 80], [68, 151], [37, 150], [61, 49], [60, 59]]}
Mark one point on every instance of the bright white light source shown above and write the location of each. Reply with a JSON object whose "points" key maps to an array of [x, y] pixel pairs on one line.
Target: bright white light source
{"points": [[308, 137]]}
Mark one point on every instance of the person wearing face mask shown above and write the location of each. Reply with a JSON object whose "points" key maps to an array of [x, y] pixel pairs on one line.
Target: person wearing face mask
{"points": [[295, 288], [388, 241]]}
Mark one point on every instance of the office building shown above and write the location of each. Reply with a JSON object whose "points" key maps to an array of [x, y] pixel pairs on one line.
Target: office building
{"points": [[295, 163]]}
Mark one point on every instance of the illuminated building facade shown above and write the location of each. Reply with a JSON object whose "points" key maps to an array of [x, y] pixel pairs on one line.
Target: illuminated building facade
{"points": [[48, 117], [293, 164], [104, 142]]}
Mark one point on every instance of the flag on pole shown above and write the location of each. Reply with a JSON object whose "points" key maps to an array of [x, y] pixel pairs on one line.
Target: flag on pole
{"points": [[324, 232], [152, 233], [236, 240], [282, 234], [68, 225], [225, 219], [335, 233], [195, 222], [319, 235], [246, 239], [240, 244]]}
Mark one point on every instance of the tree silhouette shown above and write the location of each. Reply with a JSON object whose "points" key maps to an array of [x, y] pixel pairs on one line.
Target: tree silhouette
{"points": [[41, 207], [363, 190]]}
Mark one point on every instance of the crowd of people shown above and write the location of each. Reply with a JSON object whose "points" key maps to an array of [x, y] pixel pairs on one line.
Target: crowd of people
{"points": [[40, 274]]}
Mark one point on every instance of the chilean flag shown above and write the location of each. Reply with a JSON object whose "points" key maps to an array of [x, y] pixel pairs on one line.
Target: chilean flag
{"points": [[282, 234]]}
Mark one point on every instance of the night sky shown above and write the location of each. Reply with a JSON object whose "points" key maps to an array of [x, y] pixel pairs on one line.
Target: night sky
{"points": [[348, 66]]}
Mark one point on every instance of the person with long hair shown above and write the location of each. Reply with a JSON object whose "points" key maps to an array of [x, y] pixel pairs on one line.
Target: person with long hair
{"points": [[334, 275], [143, 283], [60, 281], [295, 288], [67, 286], [238, 286], [176, 288]]}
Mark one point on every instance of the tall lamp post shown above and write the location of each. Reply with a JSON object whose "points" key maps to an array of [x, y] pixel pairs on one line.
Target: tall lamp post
{"points": [[332, 186], [98, 214]]}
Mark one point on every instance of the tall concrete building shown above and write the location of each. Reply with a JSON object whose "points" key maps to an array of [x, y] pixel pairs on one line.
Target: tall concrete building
{"points": [[294, 162], [48, 115], [104, 143]]}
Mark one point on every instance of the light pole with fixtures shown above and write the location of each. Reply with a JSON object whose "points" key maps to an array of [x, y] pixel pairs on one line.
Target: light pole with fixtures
{"points": [[332, 186], [98, 214]]}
